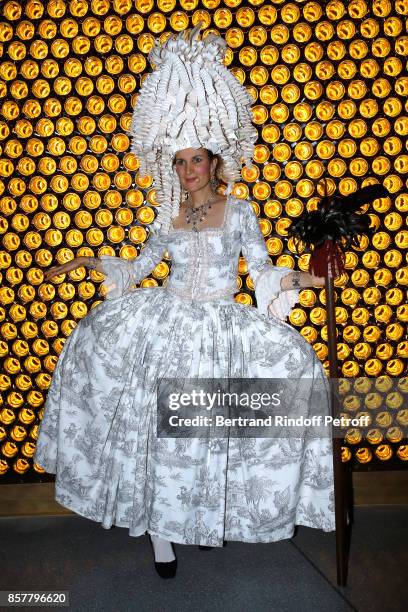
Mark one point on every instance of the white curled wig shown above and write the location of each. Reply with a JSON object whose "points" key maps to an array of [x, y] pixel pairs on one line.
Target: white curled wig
{"points": [[190, 100]]}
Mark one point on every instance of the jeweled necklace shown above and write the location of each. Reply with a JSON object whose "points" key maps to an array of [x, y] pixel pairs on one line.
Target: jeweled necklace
{"points": [[196, 214]]}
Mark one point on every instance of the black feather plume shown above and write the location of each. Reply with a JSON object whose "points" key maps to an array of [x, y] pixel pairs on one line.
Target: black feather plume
{"points": [[337, 219]]}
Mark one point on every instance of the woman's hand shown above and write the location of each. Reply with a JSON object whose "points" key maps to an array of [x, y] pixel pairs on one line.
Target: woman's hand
{"points": [[77, 262]]}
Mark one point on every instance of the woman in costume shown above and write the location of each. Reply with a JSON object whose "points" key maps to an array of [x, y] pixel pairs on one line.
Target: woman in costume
{"points": [[98, 432]]}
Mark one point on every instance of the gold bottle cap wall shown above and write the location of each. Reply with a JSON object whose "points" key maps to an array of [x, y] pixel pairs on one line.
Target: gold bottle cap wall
{"points": [[330, 90]]}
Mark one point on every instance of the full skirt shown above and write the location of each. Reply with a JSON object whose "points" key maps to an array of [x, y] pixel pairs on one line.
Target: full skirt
{"points": [[98, 432]]}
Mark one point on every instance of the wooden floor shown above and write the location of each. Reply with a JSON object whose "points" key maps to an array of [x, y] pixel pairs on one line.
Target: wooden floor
{"points": [[370, 488]]}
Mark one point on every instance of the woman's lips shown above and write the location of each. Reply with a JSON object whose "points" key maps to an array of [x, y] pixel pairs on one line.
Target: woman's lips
{"points": [[191, 180]]}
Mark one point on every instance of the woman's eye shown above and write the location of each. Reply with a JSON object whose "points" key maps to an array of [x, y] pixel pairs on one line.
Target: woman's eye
{"points": [[180, 161]]}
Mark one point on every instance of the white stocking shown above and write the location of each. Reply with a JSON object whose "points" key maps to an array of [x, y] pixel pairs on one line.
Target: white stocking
{"points": [[163, 550]]}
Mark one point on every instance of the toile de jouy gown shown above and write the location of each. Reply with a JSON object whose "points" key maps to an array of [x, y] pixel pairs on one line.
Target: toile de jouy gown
{"points": [[98, 432]]}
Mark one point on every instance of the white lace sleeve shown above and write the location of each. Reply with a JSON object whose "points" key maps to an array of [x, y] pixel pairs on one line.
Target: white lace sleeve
{"points": [[271, 300], [121, 273]]}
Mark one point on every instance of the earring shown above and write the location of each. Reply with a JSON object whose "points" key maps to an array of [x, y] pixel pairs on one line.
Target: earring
{"points": [[214, 182]]}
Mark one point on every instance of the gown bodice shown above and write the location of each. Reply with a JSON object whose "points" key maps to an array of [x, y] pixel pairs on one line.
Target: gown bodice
{"points": [[205, 263]]}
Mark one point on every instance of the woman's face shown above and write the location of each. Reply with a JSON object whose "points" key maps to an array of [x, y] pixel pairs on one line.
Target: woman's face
{"points": [[194, 168]]}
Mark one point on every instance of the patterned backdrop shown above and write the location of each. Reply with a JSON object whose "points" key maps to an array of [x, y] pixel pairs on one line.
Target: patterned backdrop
{"points": [[329, 85]]}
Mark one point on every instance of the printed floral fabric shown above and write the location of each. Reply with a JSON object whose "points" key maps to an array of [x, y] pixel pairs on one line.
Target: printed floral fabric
{"points": [[98, 432]]}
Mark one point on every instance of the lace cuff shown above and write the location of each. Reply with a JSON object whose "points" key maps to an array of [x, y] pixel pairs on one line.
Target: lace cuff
{"points": [[118, 274], [271, 300]]}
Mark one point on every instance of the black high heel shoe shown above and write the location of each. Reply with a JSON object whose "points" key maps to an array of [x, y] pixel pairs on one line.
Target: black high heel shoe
{"points": [[165, 569]]}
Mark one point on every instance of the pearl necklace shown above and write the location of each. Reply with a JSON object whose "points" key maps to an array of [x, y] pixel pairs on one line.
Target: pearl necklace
{"points": [[196, 214]]}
